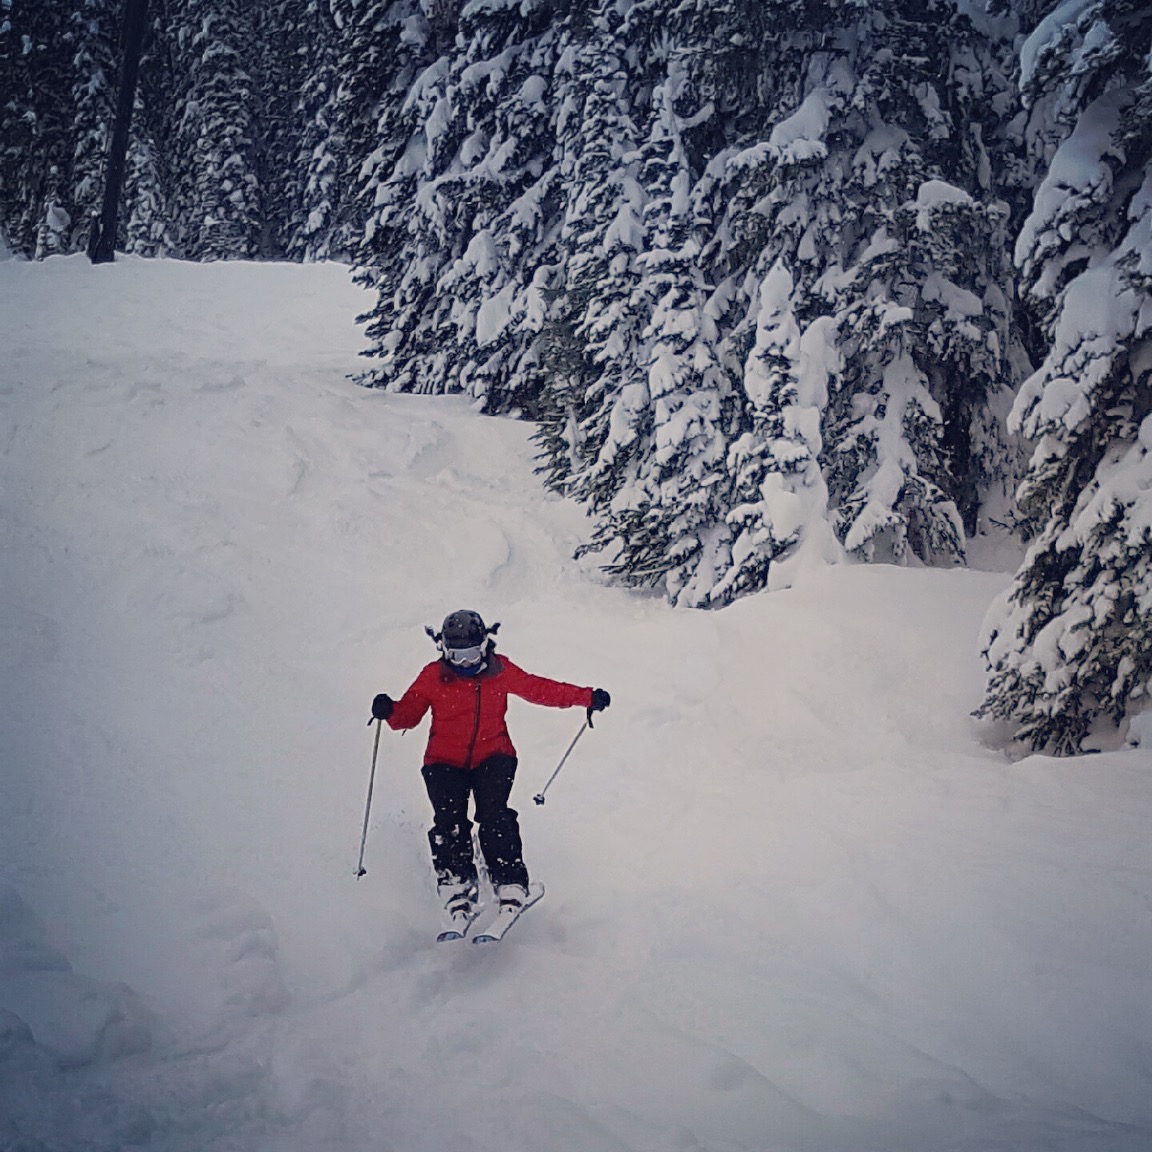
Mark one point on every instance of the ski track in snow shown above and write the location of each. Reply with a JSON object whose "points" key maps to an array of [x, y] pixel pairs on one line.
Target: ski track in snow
{"points": [[796, 900]]}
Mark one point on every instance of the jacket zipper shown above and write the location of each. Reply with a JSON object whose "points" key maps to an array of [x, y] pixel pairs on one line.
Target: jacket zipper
{"points": [[475, 729]]}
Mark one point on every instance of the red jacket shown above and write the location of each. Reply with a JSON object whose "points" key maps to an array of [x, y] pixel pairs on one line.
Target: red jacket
{"points": [[468, 711]]}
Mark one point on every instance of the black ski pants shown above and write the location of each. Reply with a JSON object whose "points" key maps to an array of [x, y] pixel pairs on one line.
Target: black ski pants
{"points": [[489, 784]]}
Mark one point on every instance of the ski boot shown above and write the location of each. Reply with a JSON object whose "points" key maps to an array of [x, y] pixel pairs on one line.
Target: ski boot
{"points": [[461, 900]]}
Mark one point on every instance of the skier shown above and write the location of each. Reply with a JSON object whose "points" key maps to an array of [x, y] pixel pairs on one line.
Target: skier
{"points": [[470, 753]]}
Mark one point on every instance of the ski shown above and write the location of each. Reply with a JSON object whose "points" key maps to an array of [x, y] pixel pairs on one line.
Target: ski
{"points": [[451, 934], [506, 917]]}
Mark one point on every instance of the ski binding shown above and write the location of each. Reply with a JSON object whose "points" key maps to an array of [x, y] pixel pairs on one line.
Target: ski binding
{"points": [[459, 919], [508, 916]]}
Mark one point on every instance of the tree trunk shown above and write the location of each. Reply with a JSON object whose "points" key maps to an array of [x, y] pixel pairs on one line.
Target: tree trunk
{"points": [[102, 245]]}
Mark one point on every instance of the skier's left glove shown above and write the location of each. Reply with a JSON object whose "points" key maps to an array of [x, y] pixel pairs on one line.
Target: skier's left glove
{"points": [[600, 701], [382, 706]]}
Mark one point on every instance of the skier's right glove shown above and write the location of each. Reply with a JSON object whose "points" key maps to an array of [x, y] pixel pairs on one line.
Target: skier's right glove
{"points": [[382, 706]]}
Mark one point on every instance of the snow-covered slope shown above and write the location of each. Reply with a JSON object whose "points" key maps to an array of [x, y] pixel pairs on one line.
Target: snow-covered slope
{"points": [[794, 902]]}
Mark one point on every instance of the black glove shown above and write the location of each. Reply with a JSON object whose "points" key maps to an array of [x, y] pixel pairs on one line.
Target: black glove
{"points": [[600, 701], [382, 706]]}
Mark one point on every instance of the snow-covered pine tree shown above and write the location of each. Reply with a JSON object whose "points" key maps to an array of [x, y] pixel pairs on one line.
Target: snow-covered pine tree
{"points": [[316, 180], [855, 153], [779, 497], [769, 486], [900, 291], [663, 526], [461, 246], [647, 447], [93, 31], [23, 45], [1070, 647], [290, 39], [150, 225], [53, 93], [885, 462], [920, 293], [363, 130], [586, 432], [825, 145], [395, 260], [775, 238], [213, 145]]}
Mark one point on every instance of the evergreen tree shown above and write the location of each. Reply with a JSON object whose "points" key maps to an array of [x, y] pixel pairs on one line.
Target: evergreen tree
{"points": [[316, 179], [55, 67], [461, 241], [214, 142], [150, 225], [289, 46], [93, 29], [587, 432], [649, 436], [18, 174], [779, 497], [148, 229], [796, 151], [1071, 646], [662, 525], [872, 182], [385, 46]]}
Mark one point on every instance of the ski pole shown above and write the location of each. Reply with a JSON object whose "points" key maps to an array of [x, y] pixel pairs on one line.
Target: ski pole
{"points": [[360, 869], [539, 797]]}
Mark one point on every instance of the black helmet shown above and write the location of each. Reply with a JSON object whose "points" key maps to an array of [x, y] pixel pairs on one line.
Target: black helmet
{"points": [[464, 641], [463, 629]]}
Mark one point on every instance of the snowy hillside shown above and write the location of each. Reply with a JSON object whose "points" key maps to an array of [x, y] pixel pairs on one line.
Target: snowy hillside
{"points": [[796, 898]]}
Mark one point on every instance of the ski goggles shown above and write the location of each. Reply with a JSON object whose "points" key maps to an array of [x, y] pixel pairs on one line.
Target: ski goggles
{"points": [[465, 657]]}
